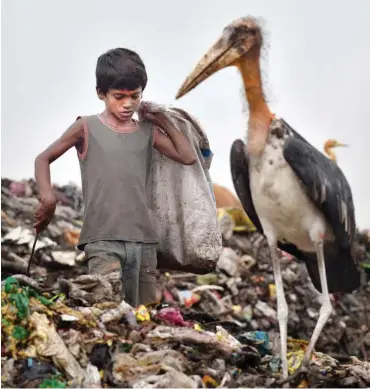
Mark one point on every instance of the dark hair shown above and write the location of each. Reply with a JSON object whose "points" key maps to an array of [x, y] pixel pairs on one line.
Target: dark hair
{"points": [[120, 69]]}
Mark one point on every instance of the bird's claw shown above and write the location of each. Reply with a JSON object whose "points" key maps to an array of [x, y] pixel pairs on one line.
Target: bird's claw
{"points": [[303, 369], [300, 370]]}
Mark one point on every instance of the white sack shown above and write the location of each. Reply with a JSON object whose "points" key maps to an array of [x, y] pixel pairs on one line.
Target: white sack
{"points": [[182, 204]]}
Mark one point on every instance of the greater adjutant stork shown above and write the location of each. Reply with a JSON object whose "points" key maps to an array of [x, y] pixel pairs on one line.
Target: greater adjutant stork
{"points": [[298, 198]]}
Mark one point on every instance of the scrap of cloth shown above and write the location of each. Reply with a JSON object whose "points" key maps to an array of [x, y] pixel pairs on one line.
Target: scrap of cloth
{"points": [[181, 200]]}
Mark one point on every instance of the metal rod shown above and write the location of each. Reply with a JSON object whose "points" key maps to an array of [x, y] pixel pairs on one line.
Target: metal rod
{"points": [[32, 253]]}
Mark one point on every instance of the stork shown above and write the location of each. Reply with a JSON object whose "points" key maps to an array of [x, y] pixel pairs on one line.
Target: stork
{"points": [[329, 145], [299, 199]]}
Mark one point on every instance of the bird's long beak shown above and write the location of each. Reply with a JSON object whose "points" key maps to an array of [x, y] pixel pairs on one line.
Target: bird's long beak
{"points": [[341, 145], [220, 55]]}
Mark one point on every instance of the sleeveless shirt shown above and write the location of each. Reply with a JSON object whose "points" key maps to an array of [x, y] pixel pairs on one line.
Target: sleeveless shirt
{"points": [[114, 172]]}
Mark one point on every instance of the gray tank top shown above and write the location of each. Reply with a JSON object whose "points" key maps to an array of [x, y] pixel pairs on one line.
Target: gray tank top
{"points": [[114, 174]]}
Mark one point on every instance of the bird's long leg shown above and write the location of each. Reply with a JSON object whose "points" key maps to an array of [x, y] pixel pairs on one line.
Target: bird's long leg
{"points": [[282, 307], [326, 307], [325, 311]]}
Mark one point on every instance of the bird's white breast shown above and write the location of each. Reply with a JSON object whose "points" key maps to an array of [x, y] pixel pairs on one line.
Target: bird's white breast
{"points": [[282, 205]]}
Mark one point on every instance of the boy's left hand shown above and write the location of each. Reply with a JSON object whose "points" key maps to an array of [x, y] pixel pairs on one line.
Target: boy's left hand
{"points": [[173, 143], [157, 118]]}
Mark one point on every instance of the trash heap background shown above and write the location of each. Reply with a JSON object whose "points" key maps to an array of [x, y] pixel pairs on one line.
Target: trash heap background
{"points": [[63, 327]]}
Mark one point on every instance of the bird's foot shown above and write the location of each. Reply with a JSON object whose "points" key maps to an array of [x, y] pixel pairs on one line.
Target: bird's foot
{"points": [[285, 382], [305, 368]]}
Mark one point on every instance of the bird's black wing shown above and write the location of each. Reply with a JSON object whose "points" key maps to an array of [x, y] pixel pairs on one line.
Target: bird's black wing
{"points": [[329, 190], [240, 177], [327, 187]]}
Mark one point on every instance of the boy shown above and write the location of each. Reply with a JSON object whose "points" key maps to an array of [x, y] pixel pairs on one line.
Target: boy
{"points": [[114, 153]]}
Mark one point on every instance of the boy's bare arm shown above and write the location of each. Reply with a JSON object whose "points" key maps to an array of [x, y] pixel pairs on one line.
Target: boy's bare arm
{"points": [[74, 136], [175, 146]]}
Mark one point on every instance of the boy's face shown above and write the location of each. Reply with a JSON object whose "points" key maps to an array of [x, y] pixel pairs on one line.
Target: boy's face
{"points": [[122, 103]]}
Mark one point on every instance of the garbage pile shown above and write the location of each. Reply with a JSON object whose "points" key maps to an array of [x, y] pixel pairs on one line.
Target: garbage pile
{"points": [[64, 328], [55, 249]]}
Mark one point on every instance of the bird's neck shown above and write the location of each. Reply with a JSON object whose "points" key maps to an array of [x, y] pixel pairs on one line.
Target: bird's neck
{"points": [[259, 114], [330, 153]]}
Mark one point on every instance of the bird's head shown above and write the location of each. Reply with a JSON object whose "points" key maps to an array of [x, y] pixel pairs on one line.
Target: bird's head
{"points": [[331, 143], [240, 38]]}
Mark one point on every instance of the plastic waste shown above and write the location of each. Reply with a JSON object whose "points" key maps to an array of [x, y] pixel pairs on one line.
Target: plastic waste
{"points": [[188, 298], [142, 313], [46, 343], [258, 339], [172, 316], [229, 261]]}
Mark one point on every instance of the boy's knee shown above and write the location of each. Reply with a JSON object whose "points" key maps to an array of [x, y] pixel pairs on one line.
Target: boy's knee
{"points": [[102, 266], [100, 259]]}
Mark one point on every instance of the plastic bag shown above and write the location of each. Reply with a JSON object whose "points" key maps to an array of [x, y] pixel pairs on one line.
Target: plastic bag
{"points": [[181, 201]]}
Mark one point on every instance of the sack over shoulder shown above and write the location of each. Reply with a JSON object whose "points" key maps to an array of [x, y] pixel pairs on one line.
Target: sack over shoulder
{"points": [[182, 204]]}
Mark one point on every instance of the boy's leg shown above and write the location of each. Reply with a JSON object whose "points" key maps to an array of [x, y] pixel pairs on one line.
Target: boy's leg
{"points": [[131, 257], [103, 257], [147, 287], [138, 263]]}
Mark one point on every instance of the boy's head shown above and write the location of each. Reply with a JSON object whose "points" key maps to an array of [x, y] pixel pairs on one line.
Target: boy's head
{"points": [[120, 80]]}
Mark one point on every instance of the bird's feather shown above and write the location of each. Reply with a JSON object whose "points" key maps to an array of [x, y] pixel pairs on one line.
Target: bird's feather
{"points": [[240, 177], [329, 190], [326, 186]]}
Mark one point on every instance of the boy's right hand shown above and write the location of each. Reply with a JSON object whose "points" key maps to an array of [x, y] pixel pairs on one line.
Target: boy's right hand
{"points": [[45, 211]]}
